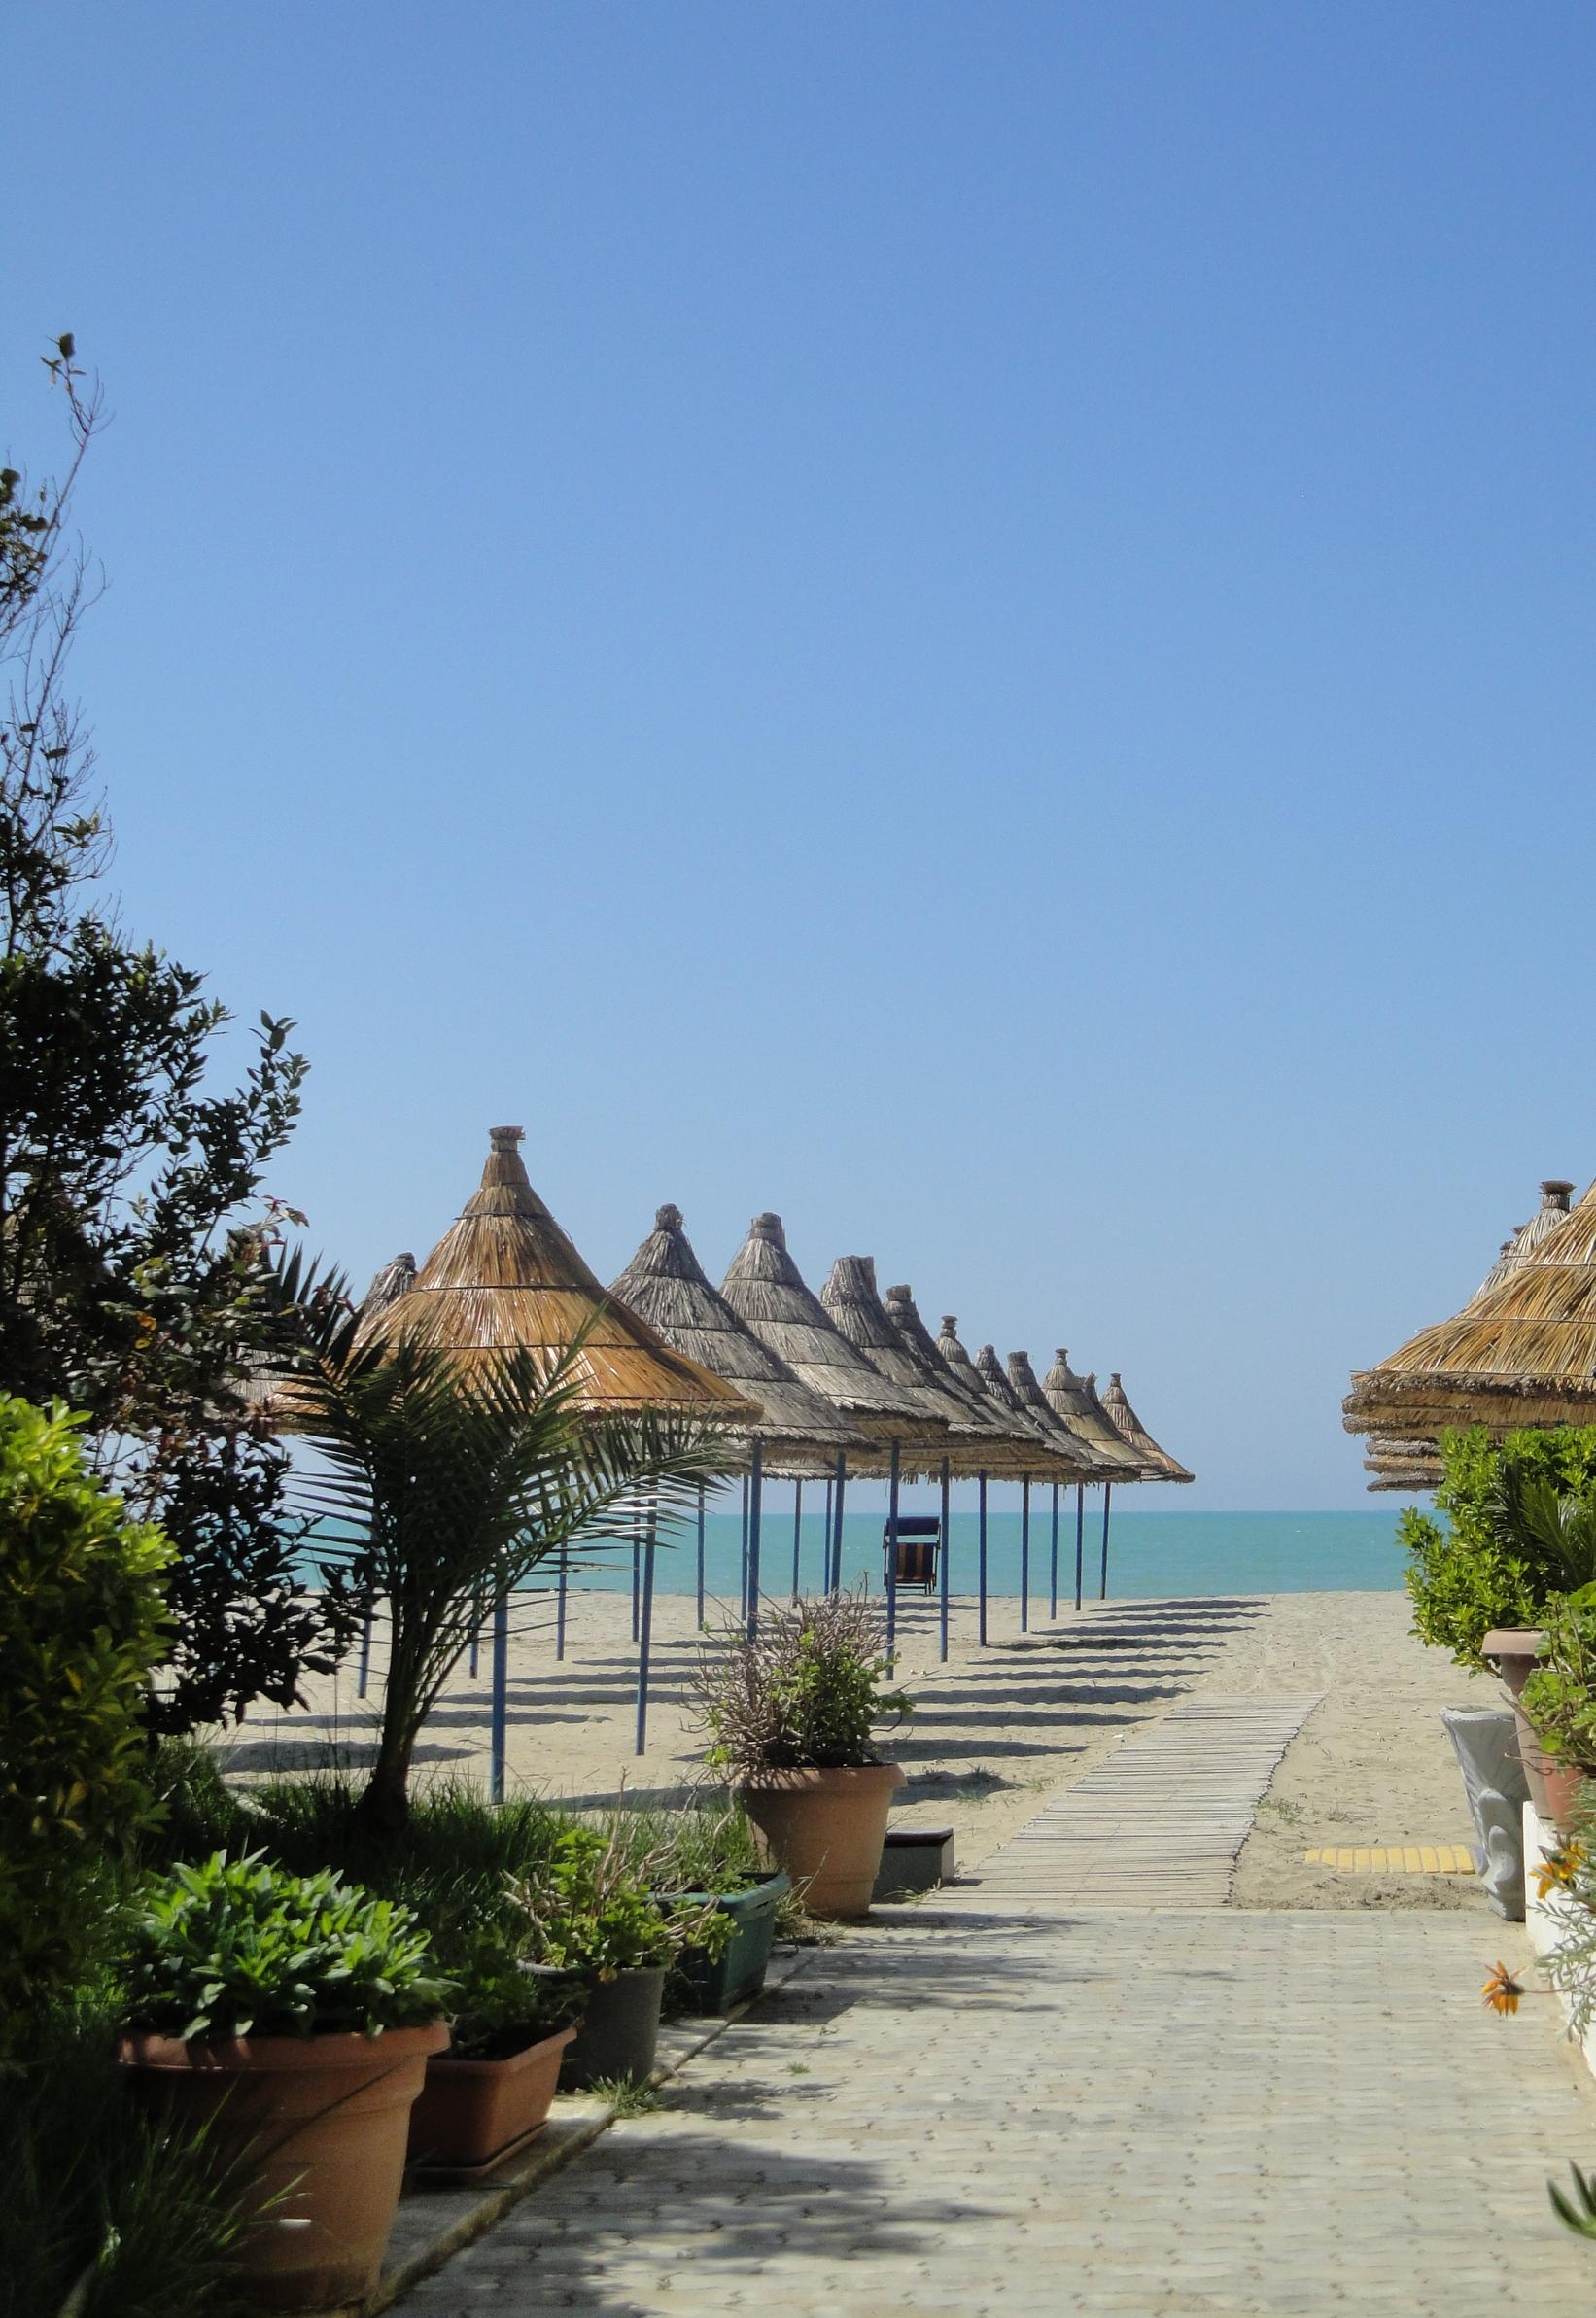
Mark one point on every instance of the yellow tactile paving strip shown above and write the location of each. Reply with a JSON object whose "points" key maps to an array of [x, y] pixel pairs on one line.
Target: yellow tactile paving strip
{"points": [[1394, 1858]]}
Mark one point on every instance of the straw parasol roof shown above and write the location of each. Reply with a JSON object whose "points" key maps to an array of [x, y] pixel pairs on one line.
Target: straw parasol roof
{"points": [[1396, 1463], [395, 1279], [768, 1294], [1074, 1398], [505, 1276], [1089, 1461], [1521, 1352], [1000, 1399], [1006, 1444], [989, 1373], [1158, 1463], [664, 1284]]}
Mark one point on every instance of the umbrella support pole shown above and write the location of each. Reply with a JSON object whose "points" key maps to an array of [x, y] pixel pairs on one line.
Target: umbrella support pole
{"points": [[561, 1595], [1052, 1559], [365, 1655], [1080, 1537], [797, 1534], [497, 1738], [647, 1630], [981, 1559], [825, 1544], [1108, 1496], [637, 1580], [701, 1557], [1025, 1555], [943, 1572], [742, 1583], [479, 1613], [755, 1494], [835, 1585], [892, 1490]]}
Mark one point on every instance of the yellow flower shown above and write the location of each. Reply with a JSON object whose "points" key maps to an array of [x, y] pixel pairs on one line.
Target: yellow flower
{"points": [[1559, 1868], [1502, 1990]]}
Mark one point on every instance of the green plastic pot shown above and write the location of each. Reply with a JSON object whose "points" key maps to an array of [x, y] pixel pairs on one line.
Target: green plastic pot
{"points": [[715, 1986]]}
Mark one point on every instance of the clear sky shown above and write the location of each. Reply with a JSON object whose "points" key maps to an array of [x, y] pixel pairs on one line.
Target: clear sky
{"points": [[972, 623]]}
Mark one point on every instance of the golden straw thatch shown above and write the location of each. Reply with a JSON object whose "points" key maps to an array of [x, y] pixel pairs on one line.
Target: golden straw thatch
{"points": [[505, 1275], [1555, 1195], [1073, 1399], [768, 1294], [1006, 1446], [1158, 1465], [798, 1429], [1521, 1352], [998, 1395]]}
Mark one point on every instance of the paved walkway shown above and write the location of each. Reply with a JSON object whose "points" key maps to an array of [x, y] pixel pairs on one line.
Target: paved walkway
{"points": [[1010, 2102]]}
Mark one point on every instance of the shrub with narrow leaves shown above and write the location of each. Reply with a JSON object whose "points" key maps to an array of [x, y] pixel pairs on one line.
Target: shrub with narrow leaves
{"points": [[238, 1948], [808, 1691]]}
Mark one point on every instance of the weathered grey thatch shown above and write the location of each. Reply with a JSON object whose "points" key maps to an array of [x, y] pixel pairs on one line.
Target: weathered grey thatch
{"points": [[505, 1276], [1022, 1382], [1521, 1352], [1160, 1465], [989, 1373], [798, 1429], [768, 1294], [1006, 1446], [395, 1279], [1001, 1402], [1073, 1399]]}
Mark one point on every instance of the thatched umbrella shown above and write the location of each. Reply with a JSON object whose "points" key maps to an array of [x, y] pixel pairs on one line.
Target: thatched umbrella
{"points": [[1397, 1463], [994, 1389], [1157, 1464], [1520, 1353], [1055, 1437], [1075, 1399], [799, 1429], [506, 1277], [1089, 1460]]}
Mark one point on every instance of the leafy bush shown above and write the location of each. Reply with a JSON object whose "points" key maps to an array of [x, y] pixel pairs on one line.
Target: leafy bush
{"points": [[107, 2212], [238, 1947], [1560, 1696], [807, 1692], [691, 1847], [82, 1624], [594, 1911], [1521, 1532]]}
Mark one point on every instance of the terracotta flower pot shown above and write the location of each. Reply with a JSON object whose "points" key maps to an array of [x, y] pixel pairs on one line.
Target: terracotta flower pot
{"points": [[1512, 1650], [619, 2032], [471, 2112], [827, 1829], [319, 2125]]}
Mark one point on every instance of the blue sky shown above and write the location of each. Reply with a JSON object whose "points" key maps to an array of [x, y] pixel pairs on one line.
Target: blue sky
{"points": [[974, 624]]}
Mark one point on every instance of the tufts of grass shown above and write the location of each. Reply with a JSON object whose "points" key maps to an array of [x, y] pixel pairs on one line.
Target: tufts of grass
{"points": [[626, 2096]]}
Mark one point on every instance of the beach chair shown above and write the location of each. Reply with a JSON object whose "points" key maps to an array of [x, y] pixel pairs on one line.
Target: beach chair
{"points": [[920, 1542]]}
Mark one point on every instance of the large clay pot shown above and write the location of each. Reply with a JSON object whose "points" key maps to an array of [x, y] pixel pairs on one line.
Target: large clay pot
{"points": [[318, 2127], [619, 2032], [471, 2112], [827, 1829]]}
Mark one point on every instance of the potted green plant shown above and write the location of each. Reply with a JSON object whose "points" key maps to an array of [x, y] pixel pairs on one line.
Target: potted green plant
{"points": [[792, 1715], [592, 1912], [512, 2020], [704, 1855], [1558, 1704], [291, 2017]]}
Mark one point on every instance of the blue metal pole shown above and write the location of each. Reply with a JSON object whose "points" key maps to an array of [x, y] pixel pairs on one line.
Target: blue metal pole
{"points": [[892, 1554], [755, 1492], [826, 1544], [742, 1581], [637, 1580], [982, 1559], [1080, 1534], [837, 1548], [1108, 1495], [797, 1533], [365, 1655], [561, 1592], [645, 1636], [701, 1557], [1025, 1555], [1052, 1563], [497, 1746], [942, 1600]]}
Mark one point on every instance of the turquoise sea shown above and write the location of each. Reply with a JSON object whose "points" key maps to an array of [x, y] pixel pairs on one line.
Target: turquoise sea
{"points": [[1149, 1553]]}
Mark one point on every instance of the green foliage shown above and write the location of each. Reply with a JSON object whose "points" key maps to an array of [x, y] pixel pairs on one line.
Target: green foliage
{"points": [[808, 1692], [626, 2097], [107, 2212], [692, 1847], [1578, 2211], [1520, 1531], [133, 1223], [448, 1486], [236, 1946], [594, 1911], [1560, 1696], [82, 1623]]}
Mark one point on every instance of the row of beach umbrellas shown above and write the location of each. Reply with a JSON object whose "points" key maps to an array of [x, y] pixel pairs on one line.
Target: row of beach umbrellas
{"points": [[845, 1385]]}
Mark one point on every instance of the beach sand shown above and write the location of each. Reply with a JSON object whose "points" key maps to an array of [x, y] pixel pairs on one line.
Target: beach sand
{"points": [[997, 1731]]}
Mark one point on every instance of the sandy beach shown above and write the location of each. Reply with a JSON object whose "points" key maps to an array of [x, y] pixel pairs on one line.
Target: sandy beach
{"points": [[997, 1731]]}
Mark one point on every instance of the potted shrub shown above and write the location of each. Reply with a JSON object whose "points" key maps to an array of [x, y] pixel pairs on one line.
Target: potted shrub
{"points": [[702, 1856], [791, 1717], [1558, 1704], [592, 1912], [292, 2018], [490, 2093]]}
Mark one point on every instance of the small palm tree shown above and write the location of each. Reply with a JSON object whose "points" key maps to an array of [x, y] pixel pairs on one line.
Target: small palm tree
{"points": [[444, 1483], [1552, 1534]]}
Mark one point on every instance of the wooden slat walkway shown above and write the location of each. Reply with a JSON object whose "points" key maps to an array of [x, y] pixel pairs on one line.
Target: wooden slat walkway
{"points": [[1158, 1825]]}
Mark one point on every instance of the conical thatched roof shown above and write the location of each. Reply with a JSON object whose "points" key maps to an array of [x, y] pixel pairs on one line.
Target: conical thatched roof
{"points": [[767, 1291], [397, 1278], [1022, 1382], [665, 1285], [1521, 1352], [989, 1373], [1000, 1399], [1076, 1401], [1555, 1195], [1005, 1444], [1158, 1463], [505, 1275]]}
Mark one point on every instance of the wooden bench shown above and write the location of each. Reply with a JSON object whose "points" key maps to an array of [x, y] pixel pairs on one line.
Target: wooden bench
{"points": [[920, 1542]]}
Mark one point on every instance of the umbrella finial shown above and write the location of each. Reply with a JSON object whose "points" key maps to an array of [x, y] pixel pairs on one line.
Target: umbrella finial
{"points": [[768, 1227], [505, 1138], [667, 1217]]}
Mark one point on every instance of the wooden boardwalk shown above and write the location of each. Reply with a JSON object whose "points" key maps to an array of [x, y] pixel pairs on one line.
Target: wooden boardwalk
{"points": [[1158, 1825]]}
